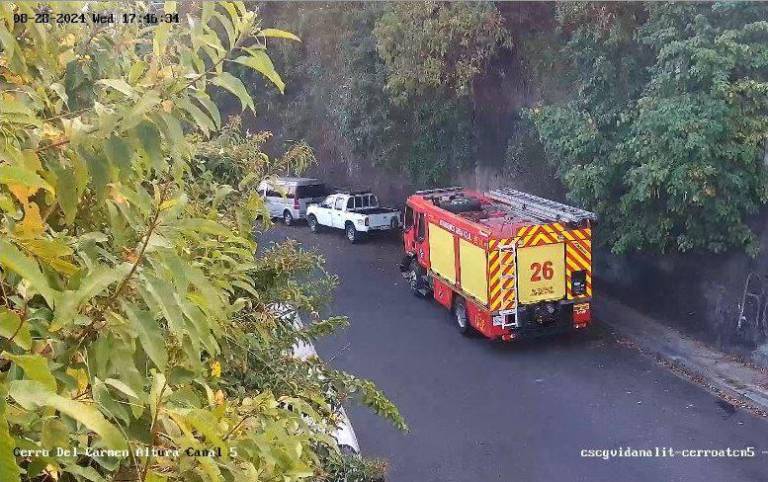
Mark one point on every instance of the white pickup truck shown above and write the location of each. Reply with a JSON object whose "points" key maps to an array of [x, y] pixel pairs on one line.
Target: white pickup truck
{"points": [[356, 213]]}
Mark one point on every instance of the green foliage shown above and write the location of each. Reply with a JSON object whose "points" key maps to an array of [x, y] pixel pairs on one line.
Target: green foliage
{"points": [[351, 468], [666, 139], [240, 160], [433, 46], [443, 142], [337, 98], [130, 291], [653, 115]]}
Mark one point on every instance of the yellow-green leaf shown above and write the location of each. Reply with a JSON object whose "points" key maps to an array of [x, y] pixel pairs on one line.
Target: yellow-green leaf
{"points": [[204, 226], [260, 61], [236, 87], [212, 109], [228, 27], [277, 33], [87, 473], [55, 433], [136, 71], [10, 174], [50, 252], [98, 166], [161, 39], [17, 113], [173, 133], [96, 281], [118, 384], [32, 395], [9, 471], [200, 118], [163, 295], [11, 324], [119, 85], [149, 137], [136, 113], [157, 393], [119, 154], [35, 368], [13, 259], [150, 334], [66, 194]]}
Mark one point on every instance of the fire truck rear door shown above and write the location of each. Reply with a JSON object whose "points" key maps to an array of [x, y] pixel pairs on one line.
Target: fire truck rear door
{"points": [[541, 273]]}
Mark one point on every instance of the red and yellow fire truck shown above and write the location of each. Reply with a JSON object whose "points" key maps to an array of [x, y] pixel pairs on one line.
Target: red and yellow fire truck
{"points": [[506, 263]]}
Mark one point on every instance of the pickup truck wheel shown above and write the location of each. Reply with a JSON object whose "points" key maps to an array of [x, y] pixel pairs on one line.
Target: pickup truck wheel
{"points": [[461, 318], [353, 235], [314, 226], [287, 218]]}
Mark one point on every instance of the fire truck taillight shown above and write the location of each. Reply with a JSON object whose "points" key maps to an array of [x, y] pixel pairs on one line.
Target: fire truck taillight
{"points": [[578, 282]]}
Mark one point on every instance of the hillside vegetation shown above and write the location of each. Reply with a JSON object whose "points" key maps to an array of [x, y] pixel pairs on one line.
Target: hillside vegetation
{"points": [[652, 114]]}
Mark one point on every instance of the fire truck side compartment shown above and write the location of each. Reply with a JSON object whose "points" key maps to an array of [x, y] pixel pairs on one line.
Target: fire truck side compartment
{"points": [[442, 256], [474, 276]]}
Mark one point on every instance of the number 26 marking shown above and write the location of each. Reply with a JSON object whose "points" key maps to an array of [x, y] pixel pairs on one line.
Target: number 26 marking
{"points": [[542, 270]]}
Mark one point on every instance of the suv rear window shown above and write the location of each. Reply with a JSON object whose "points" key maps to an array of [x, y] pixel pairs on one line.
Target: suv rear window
{"points": [[314, 190]]}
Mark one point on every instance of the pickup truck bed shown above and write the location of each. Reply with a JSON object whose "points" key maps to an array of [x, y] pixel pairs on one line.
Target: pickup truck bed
{"points": [[367, 211]]}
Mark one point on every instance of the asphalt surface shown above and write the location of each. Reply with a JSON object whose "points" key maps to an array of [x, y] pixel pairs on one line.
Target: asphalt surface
{"points": [[483, 411]]}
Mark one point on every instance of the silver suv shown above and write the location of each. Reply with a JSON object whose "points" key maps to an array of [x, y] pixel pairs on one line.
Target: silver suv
{"points": [[287, 197]]}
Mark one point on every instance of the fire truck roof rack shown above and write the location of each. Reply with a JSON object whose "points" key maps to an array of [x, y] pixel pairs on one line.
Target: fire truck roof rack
{"points": [[539, 207], [441, 190]]}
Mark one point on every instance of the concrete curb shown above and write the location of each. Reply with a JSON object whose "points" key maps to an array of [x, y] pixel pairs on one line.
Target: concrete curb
{"points": [[722, 374]]}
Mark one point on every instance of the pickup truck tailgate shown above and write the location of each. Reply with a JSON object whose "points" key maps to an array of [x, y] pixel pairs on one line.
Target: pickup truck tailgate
{"points": [[382, 220]]}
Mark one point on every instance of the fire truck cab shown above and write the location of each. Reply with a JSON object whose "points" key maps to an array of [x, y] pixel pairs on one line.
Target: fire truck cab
{"points": [[506, 263]]}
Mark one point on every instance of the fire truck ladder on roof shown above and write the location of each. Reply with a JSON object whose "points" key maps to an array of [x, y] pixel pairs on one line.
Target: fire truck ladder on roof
{"points": [[539, 207], [441, 190]]}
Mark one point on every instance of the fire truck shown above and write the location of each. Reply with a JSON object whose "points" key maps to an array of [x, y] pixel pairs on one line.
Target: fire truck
{"points": [[507, 264]]}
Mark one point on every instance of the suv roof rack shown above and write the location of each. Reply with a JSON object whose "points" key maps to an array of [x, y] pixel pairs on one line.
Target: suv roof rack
{"points": [[351, 192], [540, 207]]}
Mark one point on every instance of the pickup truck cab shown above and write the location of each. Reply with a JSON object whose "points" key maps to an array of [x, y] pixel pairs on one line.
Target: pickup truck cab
{"points": [[356, 213]]}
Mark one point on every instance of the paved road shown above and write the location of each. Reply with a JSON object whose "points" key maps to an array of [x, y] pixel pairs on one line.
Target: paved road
{"points": [[482, 411]]}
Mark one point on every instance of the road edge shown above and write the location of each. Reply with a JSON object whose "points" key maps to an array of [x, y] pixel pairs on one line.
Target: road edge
{"points": [[732, 380]]}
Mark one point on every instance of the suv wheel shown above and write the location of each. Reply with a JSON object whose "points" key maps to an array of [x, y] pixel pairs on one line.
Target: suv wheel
{"points": [[287, 218], [460, 316], [314, 226]]}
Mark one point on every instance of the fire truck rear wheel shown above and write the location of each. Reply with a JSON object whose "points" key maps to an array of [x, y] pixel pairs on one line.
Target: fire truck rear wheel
{"points": [[461, 318]]}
